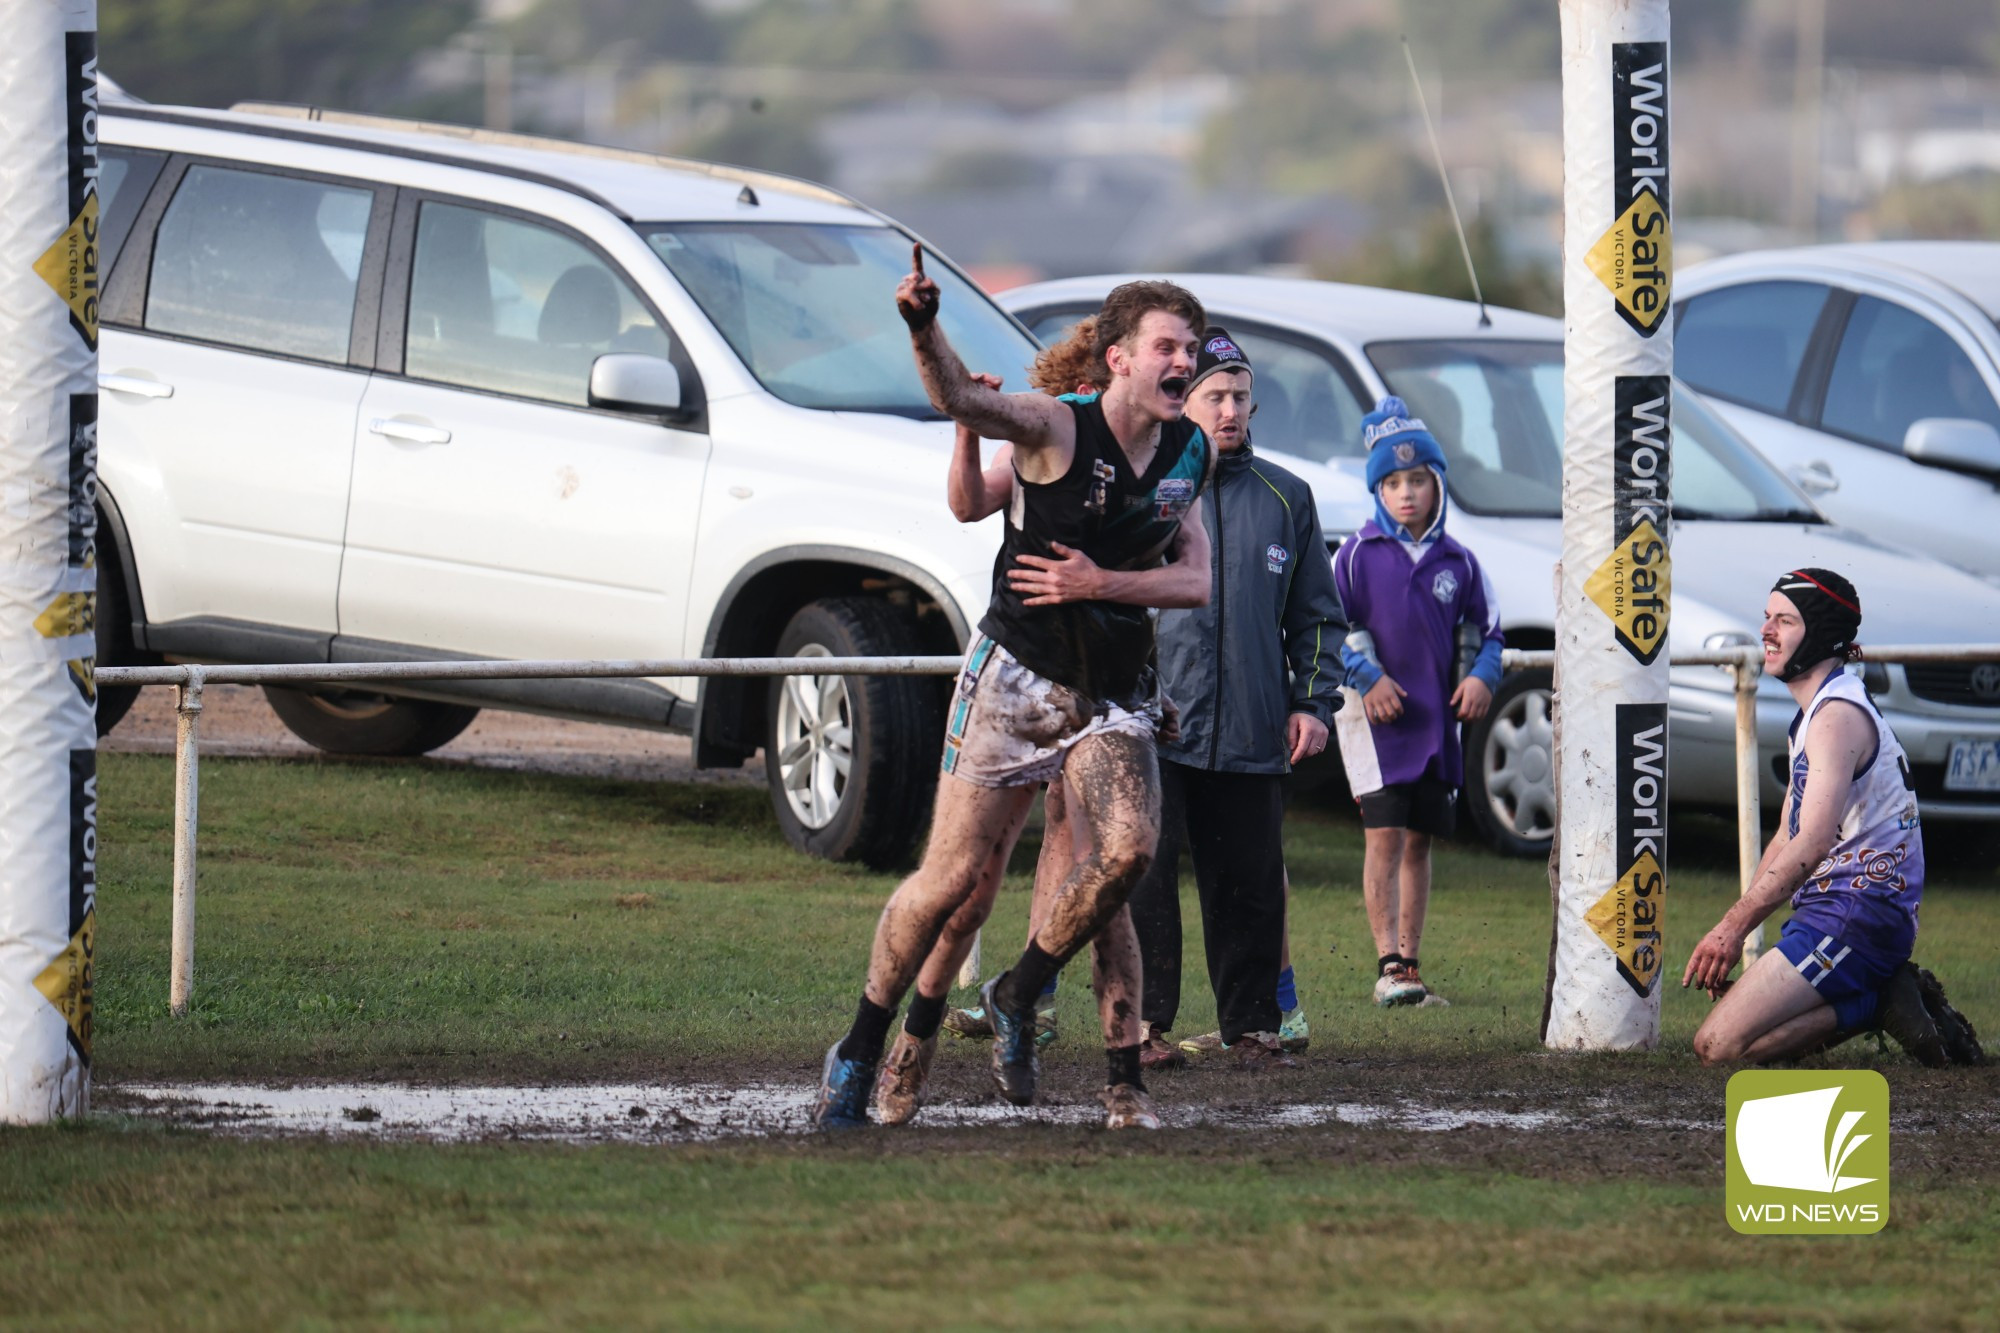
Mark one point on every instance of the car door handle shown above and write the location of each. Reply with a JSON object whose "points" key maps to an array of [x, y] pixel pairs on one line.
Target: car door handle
{"points": [[134, 384], [410, 432], [1816, 478]]}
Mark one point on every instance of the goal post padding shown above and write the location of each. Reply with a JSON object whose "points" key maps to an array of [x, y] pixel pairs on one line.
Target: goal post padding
{"points": [[1614, 585], [49, 278]]}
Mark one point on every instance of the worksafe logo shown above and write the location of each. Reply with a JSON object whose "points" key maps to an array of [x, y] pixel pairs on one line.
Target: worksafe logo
{"points": [[1634, 259], [1808, 1152]]}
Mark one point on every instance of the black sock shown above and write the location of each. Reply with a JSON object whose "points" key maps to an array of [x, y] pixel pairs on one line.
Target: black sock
{"points": [[1410, 963], [1024, 981], [1124, 1065], [864, 1041], [925, 1017], [1382, 963]]}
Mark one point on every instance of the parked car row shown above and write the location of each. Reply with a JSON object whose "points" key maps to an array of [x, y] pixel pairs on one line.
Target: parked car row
{"points": [[374, 391], [1493, 397]]}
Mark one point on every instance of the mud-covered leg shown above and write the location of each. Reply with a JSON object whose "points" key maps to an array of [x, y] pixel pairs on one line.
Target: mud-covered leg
{"points": [[1116, 974]]}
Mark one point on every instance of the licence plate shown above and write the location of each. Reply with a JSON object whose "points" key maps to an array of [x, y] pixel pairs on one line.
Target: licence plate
{"points": [[1974, 766]]}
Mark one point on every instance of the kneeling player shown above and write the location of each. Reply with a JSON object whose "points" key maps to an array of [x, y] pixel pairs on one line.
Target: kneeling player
{"points": [[1848, 853]]}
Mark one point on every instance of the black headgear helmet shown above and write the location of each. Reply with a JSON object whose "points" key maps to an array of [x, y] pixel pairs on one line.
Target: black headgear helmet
{"points": [[1831, 610]]}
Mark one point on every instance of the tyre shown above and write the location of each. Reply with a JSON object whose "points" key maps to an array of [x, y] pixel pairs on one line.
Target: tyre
{"points": [[852, 761], [360, 722], [1510, 781], [114, 635]]}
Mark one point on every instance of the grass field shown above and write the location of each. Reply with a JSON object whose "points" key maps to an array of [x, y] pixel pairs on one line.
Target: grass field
{"points": [[416, 921]]}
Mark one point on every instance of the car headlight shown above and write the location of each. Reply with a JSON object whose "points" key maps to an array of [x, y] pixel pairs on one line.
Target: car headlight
{"points": [[1733, 638], [1875, 677]]}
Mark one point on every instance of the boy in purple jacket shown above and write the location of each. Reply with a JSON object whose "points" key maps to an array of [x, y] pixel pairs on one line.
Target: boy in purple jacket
{"points": [[1424, 655]]}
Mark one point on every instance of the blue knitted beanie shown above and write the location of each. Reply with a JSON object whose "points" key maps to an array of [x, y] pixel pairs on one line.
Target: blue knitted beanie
{"points": [[1395, 441]]}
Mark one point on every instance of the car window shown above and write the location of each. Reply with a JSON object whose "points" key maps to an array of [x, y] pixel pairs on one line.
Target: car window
{"points": [[1051, 328], [259, 261], [1496, 408], [810, 309], [1305, 406], [124, 176], [512, 307], [1745, 343], [1894, 367]]}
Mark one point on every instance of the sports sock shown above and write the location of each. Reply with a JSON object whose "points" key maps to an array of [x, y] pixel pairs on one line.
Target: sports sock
{"points": [[864, 1041], [1123, 1062], [925, 1016], [1024, 981], [1382, 964], [1410, 963], [1288, 992]]}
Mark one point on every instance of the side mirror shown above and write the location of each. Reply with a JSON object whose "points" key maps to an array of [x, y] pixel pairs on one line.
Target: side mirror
{"points": [[631, 382], [1954, 442]]}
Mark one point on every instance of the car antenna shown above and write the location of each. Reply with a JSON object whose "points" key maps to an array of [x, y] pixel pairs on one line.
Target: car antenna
{"points": [[1464, 246]]}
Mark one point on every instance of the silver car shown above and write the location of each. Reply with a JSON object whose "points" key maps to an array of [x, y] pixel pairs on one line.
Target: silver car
{"points": [[1324, 353], [1870, 374]]}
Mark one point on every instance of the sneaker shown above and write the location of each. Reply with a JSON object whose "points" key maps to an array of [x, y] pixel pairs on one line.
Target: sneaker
{"points": [[1045, 1021], [1906, 1020], [1207, 1044], [973, 1022], [844, 1088], [1128, 1107], [1014, 1065], [1156, 1052], [1431, 999], [1399, 984], [1294, 1034], [1261, 1050], [969, 1022], [899, 1091], [1961, 1043]]}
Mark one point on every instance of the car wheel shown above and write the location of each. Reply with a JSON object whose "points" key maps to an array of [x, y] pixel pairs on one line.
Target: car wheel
{"points": [[114, 642], [852, 760], [1510, 780], [361, 722]]}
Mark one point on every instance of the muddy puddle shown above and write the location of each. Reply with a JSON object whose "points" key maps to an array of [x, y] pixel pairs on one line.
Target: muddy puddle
{"points": [[711, 1112]]}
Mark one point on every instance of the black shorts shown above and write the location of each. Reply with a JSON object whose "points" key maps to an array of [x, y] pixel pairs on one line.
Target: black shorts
{"points": [[1428, 805]]}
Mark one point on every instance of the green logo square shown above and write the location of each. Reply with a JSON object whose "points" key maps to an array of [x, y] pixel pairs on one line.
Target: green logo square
{"points": [[1808, 1152]]}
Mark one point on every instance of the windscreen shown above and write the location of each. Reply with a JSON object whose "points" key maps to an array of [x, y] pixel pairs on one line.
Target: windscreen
{"points": [[811, 310], [1496, 408]]}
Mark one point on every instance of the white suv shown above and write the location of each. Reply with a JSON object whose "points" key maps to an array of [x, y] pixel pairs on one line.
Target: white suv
{"points": [[381, 391]]}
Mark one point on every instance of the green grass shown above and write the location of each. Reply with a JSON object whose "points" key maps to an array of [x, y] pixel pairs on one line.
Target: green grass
{"points": [[362, 920], [358, 919], [156, 1230]]}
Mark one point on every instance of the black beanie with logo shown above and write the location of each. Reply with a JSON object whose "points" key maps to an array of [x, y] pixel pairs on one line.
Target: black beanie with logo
{"points": [[1831, 610]]}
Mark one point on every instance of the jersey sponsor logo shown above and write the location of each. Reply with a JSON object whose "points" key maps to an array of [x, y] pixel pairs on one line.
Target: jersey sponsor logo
{"points": [[1172, 497], [1627, 917], [1445, 586], [1634, 585], [69, 265], [1634, 257]]}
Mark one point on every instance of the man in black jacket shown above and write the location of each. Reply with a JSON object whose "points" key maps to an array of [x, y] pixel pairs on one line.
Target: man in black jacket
{"points": [[1256, 674]]}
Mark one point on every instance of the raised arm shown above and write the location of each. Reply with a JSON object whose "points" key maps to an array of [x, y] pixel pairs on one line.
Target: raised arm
{"points": [[971, 492], [1185, 581], [1032, 420]]}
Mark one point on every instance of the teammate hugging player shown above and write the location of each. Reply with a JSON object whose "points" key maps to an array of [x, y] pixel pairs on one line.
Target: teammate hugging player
{"points": [[1849, 853], [1048, 689]]}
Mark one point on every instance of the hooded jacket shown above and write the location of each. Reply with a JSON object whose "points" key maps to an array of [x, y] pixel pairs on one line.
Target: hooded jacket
{"points": [[1268, 643]]}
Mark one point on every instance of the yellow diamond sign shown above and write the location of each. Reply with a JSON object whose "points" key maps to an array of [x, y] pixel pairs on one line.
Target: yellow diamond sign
{"points": [[1635, 261], [66, 983], [1627, 919], [70, 267], [1634, 587], [70, 613]]}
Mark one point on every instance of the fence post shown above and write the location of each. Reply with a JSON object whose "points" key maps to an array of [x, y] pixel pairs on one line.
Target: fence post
{"points": [[187, 802], [1749, 813]]}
